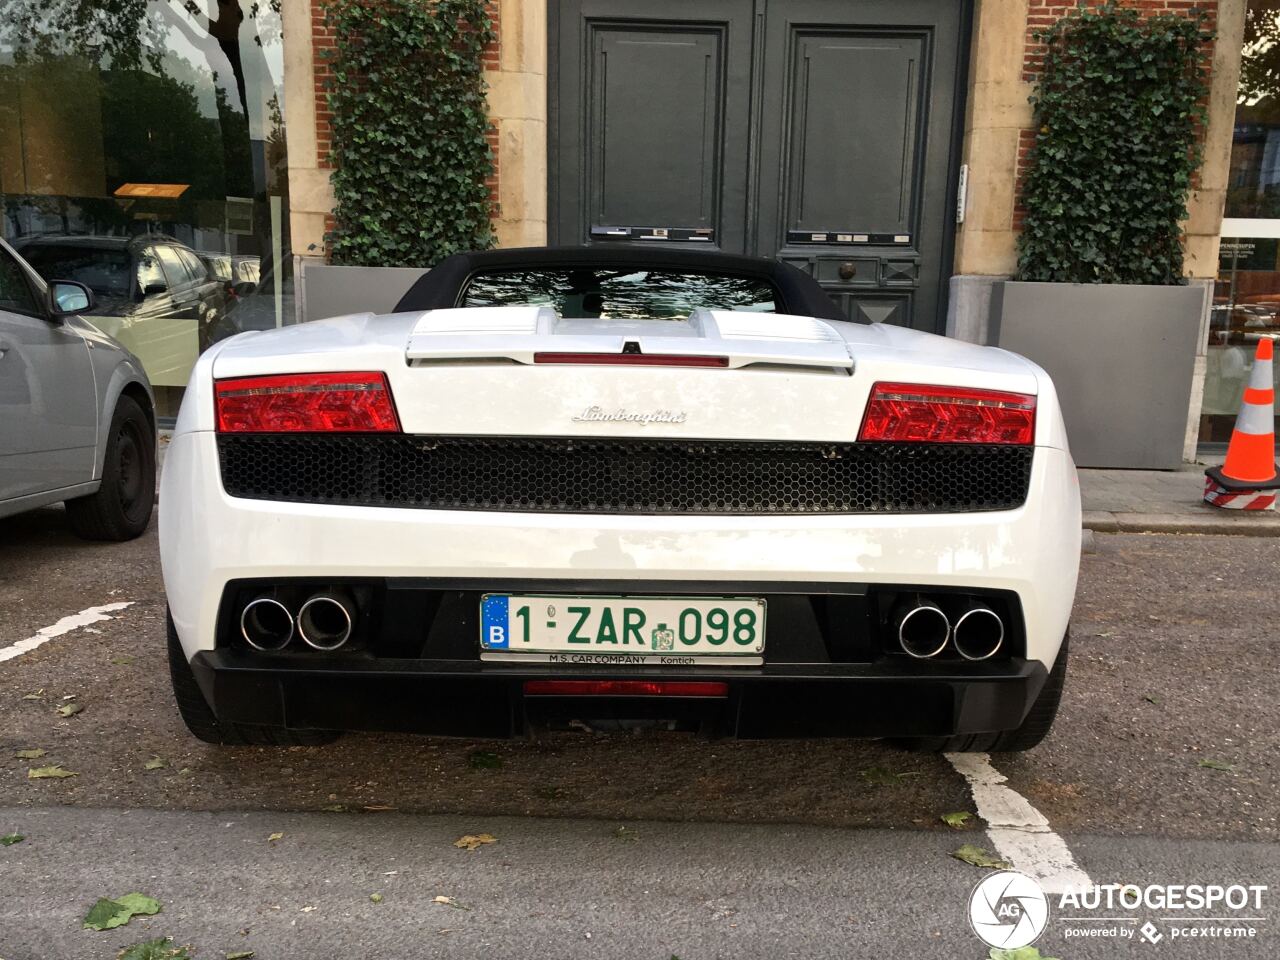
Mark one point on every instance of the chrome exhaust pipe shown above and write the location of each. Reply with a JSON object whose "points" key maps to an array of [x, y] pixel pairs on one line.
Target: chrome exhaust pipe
{"points": [[979, 632], [266, 624], [325, 621], [923, 629]]}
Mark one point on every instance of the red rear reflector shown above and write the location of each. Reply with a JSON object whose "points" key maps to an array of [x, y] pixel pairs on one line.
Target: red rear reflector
{"points": [[306, 403], [625, 688], [633, 359], [918, 413]]}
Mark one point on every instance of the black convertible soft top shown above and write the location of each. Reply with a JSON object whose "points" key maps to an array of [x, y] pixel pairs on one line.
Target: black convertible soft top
{"points": [[798, 293]]}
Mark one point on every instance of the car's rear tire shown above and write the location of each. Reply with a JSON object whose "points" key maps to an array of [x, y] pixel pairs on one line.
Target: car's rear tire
{"points": [[1035, 727], [200, 719], [121, 509]]}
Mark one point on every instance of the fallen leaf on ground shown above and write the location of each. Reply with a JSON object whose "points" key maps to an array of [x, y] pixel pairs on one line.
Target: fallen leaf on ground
{"points": [[883, 778], [376, 807], [335, 808], [240, 955], [38, 695], [958, 820], [69, 710], [161, 948], [308, 908], [107, 914], [274, 837], [980, 857], [156, 763], [1216, 765], [1022, 953], [622, 833], [35, 754], [1151, 699], [46, 773], [484, 760], [449, 902], [474, 841], [9, 839], [375, 897]]}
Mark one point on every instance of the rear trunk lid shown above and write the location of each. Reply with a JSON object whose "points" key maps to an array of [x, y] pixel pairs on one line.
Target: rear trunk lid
{"points": [[529, 334]]}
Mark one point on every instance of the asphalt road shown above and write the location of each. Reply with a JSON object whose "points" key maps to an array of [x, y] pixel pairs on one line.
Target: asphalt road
{"points": [[1163, 767]]}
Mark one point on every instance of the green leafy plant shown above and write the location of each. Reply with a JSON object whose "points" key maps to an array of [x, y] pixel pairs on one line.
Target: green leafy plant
{"points": [[1118, 106], [409, 120]]}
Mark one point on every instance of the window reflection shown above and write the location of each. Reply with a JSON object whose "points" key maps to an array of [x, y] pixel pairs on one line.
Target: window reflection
{"points": [[586, 293], [1246, 302], [142, 153]]}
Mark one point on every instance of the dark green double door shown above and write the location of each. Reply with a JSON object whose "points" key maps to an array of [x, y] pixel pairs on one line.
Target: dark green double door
{"points": [[819, 131]]}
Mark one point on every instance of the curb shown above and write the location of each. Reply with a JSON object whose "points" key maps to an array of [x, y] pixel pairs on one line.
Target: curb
{"points": [[1232, 524]]}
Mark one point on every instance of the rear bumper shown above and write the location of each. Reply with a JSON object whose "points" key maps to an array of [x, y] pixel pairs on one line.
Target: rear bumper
{"points": [[209, 539], [472, 699]]}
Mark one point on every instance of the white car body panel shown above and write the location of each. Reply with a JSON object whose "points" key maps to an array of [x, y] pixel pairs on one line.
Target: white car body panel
{"points": [[766, 402], [442, 384]]}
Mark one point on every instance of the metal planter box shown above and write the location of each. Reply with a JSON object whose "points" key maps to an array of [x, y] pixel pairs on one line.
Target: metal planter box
{"points": [[328, 290], [1121, 357]]}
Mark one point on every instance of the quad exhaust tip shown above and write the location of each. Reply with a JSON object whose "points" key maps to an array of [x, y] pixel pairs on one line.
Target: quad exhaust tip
{"points": [[325, 621], [923, 629], [266, 624], [978, 632]]}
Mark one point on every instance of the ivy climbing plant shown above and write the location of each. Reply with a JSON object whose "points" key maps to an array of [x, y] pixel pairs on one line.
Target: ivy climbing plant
{"points": [[406, 94], [1118, 108]]}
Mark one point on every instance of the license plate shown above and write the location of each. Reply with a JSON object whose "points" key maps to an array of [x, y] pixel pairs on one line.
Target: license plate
{"points": [[637, 630]]}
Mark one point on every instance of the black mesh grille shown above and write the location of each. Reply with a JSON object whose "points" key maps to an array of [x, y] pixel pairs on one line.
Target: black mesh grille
{"points": [[560, 475]]}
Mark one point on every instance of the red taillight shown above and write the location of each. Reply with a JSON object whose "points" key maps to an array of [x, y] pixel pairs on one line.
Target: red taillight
{"points": [[633, 359], [625, 688], [917, 413], [306, 403]]}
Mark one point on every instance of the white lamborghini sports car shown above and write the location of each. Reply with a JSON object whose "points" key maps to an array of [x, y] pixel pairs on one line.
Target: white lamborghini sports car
{"points": [[618, 485]]}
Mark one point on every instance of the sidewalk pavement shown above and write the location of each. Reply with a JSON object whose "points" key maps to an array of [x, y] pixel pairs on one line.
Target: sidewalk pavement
{"points": [[1128, 501], [1164, 501]]}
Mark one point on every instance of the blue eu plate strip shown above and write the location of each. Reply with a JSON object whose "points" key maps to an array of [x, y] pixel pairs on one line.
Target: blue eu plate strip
{"points": [[495, 631]]}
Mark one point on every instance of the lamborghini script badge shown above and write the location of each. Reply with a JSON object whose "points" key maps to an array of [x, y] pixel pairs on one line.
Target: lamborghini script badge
{"points": [[622, 415]]}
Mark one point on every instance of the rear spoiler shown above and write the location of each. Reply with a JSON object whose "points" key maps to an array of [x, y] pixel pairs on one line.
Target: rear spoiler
{"points": [[520, 334]]}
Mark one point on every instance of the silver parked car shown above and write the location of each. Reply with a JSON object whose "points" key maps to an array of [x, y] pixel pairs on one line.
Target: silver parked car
{"points": [[77, 416]]}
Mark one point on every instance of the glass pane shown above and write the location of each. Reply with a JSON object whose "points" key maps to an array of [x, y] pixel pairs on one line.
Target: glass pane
{"points": [[1246, 307], [173, 266], [150, 119], [15, 291], [588, 293], [1253, 189]]}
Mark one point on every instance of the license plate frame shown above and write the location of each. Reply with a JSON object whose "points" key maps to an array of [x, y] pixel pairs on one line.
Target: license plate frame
{"points": [[663, 641]]}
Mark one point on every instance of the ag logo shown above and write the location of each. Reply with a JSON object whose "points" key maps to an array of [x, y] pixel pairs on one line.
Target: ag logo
{"points": [[1008, 910]]}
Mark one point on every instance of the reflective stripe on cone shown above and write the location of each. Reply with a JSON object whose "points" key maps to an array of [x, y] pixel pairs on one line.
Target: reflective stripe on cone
{"points": [[1220, 496]]}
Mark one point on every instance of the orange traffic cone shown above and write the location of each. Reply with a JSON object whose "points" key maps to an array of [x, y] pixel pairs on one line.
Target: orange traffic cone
{"points": [[1243, 482]]}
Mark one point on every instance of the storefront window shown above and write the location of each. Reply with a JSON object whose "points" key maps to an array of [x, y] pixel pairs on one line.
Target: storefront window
{"points": [[1247, 295], [142, 153]]}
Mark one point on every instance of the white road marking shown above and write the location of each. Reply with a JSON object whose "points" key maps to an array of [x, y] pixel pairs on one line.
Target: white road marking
{"points": [[65, 625], [1019, 832]]}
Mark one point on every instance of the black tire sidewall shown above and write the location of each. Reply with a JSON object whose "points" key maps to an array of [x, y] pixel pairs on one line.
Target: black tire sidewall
{"points": [[129, 523]]}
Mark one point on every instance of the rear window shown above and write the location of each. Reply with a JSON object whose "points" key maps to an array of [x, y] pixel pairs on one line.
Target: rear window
{"points": [[619, 294]]}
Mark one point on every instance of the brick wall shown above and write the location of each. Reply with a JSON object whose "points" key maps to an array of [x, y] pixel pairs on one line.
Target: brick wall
{"points": [[1044, 13]]}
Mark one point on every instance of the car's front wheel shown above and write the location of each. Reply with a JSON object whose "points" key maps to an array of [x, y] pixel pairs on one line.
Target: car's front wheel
{"points": [[1035, 727], [121, 509], [200, 719]]}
